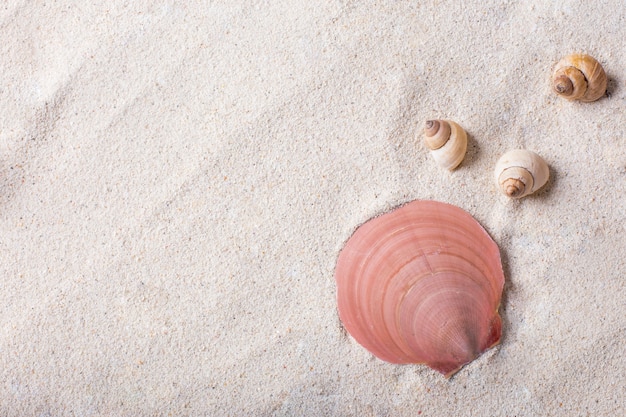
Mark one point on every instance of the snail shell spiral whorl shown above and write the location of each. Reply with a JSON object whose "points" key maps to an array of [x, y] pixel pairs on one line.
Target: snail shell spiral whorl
{"points": [[579, 77], [447, 142]]}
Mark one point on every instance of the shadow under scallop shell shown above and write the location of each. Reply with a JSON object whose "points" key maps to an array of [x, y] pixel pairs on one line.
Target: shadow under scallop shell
{"points": [[422, 284]]}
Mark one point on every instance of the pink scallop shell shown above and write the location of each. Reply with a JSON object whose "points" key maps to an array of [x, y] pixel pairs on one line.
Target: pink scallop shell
{"points": [[422, 284]]}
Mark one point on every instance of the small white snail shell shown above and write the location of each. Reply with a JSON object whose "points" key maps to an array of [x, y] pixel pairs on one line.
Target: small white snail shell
{"points": [[521, 172], [447, 142], [579, 77]]}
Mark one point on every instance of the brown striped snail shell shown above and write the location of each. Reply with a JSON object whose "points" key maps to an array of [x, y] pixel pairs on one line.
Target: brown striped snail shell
{"points": [[421, 284], [579, 77], [520, 172], [447, 142]]}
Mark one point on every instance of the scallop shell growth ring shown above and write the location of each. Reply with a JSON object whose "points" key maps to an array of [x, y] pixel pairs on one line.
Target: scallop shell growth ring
{"points": [[579, 77], [422, 284]]}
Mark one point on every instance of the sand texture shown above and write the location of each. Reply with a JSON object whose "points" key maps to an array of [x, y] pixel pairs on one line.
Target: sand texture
{"points": [[178, 178]]}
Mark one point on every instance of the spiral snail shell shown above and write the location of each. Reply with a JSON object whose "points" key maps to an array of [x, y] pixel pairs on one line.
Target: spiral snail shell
{"points": [[579, 77], [520, 173], [447, 142]]}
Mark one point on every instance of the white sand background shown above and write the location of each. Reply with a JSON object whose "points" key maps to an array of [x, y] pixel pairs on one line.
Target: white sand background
{"points": [[178, 178]]}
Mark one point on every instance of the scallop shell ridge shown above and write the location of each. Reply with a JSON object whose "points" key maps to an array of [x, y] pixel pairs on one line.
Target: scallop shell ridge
{"points": [[421, 284]]}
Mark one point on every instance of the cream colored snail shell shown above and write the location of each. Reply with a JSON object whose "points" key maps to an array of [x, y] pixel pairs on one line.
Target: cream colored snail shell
{"points": [[447, 142], [579, 77], [520, 173]]}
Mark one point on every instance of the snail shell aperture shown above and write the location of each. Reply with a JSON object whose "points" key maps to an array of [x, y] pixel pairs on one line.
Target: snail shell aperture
{"points": [[447, 142], [520, 173], [579, 77]]}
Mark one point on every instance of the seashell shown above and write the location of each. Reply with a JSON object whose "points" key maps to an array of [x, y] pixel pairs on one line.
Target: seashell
{"points": [[579, 77], [421, 284], [521, 172], [447, 142]]}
